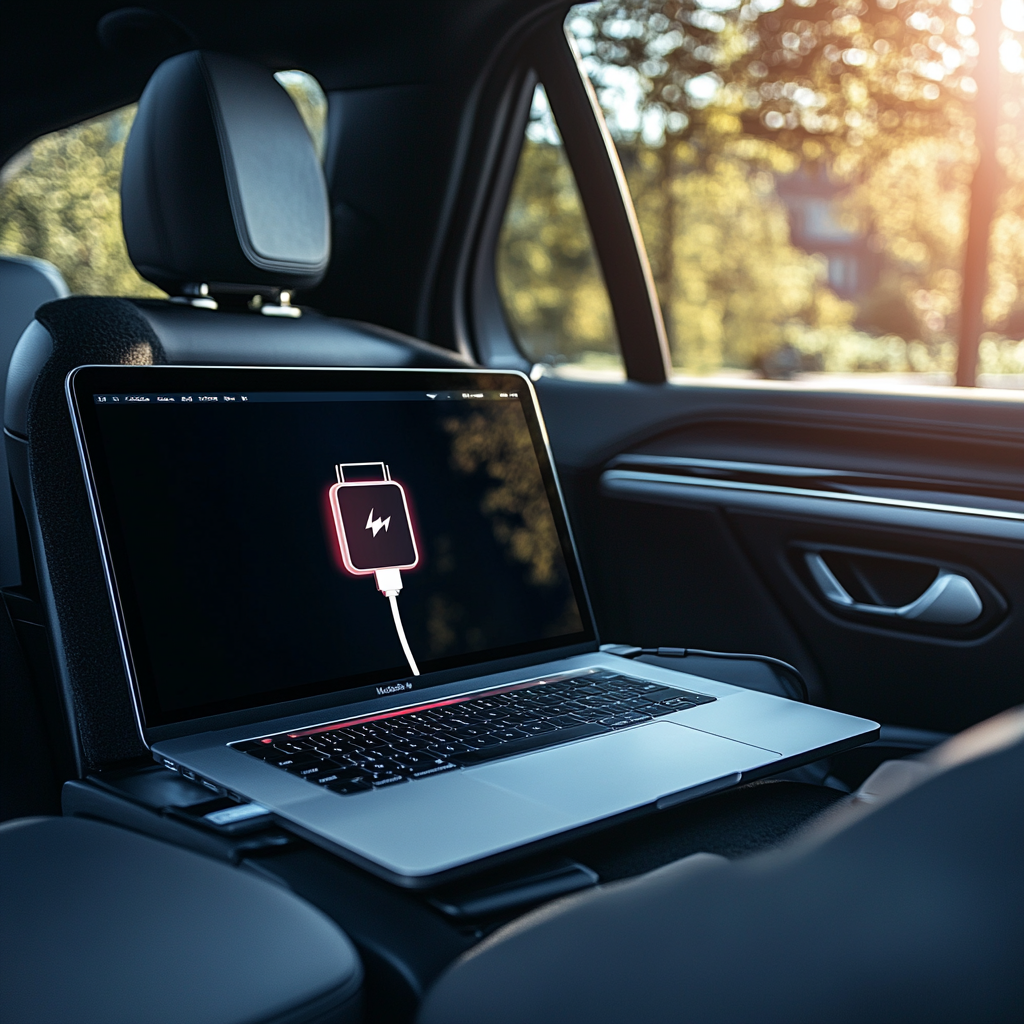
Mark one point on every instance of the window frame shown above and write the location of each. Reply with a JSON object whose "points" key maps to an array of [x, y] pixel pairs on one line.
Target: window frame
{"points": [[549, 57]]}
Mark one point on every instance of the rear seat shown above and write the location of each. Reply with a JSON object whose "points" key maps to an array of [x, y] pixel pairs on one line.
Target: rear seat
{"points": [[103, 926]]}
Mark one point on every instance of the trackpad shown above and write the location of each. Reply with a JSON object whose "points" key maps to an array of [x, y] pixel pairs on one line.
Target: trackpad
{"points": [[593, 778]]}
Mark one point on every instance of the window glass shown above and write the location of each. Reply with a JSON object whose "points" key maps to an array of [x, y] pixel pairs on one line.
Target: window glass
{"points": [[803, 173], [60, 201], [547, 271], [307, 95], [60, 197]]}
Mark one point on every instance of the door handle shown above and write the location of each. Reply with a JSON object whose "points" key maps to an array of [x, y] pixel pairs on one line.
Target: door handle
{"points": [[950, 599]]}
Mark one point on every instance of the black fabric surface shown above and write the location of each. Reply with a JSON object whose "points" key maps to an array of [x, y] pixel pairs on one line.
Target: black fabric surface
{"points": [[103, 926], [222, 338], [25, 284], [741, 821], [914, 913], [84, 330], [27, 782]]}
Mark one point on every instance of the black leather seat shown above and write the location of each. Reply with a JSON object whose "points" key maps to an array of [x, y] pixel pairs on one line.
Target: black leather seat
{"points": [[224, 203], [103, 926], [224, 206], [25, 285], [904, 904]]}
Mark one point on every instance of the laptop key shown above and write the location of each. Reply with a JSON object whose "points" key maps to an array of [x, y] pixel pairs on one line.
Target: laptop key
{"points": [[326, 779], [489, 740], [566, 721], [469, 731], [345, 787], [449, 748], [380, 779], [435, 769], [306, 771], [283, 761], [528, 743], [401, 762], [537, 728], [629, 718], [504, 735]]}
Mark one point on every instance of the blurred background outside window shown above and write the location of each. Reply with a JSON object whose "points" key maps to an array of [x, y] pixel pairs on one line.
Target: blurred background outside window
{"points": [[824, 187], [60, 197], [546, 266]]}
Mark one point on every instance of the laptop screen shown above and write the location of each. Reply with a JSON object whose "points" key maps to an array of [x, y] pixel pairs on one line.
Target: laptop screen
{"points": [[274, 535]]}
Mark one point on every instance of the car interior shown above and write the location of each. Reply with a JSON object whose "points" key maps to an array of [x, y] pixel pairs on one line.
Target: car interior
{"points": [[857, 549]]}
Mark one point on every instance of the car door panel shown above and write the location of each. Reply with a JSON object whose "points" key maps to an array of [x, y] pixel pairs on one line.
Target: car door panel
{"points": [[932, 676], [698, 508]]}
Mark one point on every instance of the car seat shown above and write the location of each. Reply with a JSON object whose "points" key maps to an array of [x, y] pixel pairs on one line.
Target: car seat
{"points": [[103, 926], [904, 902], [25, 285], [224, 206]]}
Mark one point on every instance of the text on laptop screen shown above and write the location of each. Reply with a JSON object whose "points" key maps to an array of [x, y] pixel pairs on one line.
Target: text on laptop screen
{"points": [[280, 545]]}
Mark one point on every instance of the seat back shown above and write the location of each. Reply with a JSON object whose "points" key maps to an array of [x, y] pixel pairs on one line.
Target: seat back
{"points": [[25, 285], [224, 206]]}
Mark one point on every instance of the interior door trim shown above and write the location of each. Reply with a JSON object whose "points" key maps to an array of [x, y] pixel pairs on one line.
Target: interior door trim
{"points": [[891, 513], [729, 485], [950, 599]]}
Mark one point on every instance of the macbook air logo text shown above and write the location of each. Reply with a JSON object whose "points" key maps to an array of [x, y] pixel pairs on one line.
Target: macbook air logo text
{"points": [[383, 691]]}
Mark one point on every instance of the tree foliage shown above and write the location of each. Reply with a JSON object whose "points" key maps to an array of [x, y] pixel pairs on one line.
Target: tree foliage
{"points": [[60, 201], [706, 98], [842, 78], [60, 198], [547, 272]]}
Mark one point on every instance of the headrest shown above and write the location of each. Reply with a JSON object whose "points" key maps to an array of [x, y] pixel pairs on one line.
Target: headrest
{"points": [[221, 185]]}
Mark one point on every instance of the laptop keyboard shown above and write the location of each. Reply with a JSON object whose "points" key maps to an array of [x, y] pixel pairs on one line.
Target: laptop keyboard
{"points": [[392, 747]]}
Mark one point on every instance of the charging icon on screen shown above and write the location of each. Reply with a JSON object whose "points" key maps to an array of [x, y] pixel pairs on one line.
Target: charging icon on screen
{"points": [[376, 524], [375, 533]]}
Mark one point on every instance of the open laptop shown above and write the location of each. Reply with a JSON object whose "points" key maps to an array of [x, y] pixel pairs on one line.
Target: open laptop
{"points": [[352, 597]]}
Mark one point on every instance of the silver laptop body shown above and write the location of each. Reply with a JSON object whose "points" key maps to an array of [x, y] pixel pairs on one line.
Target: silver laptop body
{"points": [[450, 545]]}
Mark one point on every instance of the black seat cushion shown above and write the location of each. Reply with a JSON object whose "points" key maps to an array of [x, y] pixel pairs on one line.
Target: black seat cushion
{"points": [[104, 926], [913, 913]]}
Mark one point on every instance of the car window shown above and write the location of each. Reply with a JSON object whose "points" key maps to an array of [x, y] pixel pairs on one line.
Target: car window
{"points": [[60, 197], [547, 271], [810, 176]]}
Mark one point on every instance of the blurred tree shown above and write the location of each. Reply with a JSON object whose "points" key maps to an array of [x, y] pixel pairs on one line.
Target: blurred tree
{"points": [[60, 198], [60, 201], [835, 77], [737, 283], [547, 272], [870, 89]]}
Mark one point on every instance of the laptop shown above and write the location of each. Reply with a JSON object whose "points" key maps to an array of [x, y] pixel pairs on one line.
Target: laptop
{"points": [[351, 597]]}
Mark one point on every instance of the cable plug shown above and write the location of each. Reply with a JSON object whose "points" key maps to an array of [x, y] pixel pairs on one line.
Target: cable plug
{"points": [[389, 581]]}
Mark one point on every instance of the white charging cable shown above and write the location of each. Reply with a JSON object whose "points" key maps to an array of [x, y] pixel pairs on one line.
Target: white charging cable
{"points": [[389, 583]]}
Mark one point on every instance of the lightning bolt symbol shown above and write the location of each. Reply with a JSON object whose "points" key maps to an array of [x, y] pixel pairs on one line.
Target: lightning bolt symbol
{"points": [[376, 524]]}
